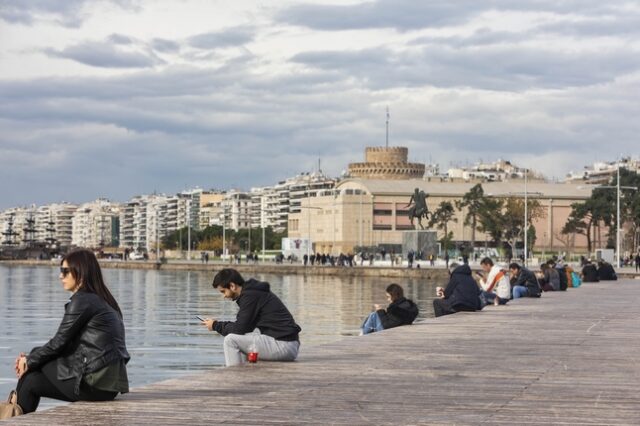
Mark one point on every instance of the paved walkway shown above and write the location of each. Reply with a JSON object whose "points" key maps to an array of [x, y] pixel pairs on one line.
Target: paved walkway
{"points": [[568, 358]]}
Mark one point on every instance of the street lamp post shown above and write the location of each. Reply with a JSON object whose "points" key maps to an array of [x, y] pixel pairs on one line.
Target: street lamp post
{"points": [[224, 231], [189, 229], [526, 216]]}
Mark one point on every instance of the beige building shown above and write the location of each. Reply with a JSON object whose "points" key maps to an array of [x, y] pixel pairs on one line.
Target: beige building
{"points": [[366, 212]]}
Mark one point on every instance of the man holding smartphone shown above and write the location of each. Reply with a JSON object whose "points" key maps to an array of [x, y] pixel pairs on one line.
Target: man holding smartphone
{"points": [[259, 308]]}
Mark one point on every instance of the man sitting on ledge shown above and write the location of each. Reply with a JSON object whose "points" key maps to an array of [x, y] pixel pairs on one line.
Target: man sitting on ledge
{"points": [[523, 282], [259, 308], [461, 294]]}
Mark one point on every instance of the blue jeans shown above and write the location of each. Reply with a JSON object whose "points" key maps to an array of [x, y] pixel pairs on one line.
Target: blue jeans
{"points": [[372, 324], [520, 291]]}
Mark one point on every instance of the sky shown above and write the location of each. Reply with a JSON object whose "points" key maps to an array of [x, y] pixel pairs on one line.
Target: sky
{"points": [[117, 98]]}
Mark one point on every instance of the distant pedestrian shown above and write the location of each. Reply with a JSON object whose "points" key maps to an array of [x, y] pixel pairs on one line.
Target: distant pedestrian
{"points": [[637, 261], [206, 258]]}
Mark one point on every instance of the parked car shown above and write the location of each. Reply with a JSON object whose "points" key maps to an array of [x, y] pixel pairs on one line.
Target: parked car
{"points": [[134, 255]]}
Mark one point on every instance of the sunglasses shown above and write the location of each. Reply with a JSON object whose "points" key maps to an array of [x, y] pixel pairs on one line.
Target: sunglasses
{"points": [[65, 271]]}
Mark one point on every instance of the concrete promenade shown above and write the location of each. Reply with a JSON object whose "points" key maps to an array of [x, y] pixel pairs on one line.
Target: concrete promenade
{"points": [[568, 358]]}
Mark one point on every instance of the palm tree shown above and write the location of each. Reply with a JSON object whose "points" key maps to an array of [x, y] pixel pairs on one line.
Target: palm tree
{"points": [[473, 201]]}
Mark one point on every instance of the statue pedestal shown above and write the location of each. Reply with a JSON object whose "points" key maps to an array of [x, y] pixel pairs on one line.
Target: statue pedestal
{"points": [[420, 240]]}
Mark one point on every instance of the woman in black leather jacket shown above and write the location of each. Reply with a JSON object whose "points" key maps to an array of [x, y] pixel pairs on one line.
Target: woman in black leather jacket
{"points": [[86, 359]]}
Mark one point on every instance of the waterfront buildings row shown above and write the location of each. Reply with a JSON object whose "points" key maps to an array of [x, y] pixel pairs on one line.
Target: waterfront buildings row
{"points": [[601, 173], [142, 222], [367, 207]]}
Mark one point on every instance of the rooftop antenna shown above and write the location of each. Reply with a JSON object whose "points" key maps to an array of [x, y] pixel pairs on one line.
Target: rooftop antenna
{"points": [[388, 116]]}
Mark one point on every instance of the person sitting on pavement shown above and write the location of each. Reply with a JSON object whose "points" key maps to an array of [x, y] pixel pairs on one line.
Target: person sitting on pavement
{"points": [[523, 282], [589, 273], [550, 278], [461, 294], [401, 311], [495, 286], [606, 272], [259, 308]]}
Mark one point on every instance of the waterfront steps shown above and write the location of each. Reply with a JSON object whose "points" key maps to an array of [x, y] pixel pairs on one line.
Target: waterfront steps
{"points": [[568, 358]]}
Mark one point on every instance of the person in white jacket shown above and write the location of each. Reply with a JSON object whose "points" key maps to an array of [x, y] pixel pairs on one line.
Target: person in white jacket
{"points": [[495, 283]]}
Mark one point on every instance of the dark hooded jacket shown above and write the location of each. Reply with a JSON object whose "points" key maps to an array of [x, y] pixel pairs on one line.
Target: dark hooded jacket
{"points": [[462, 290], [590, 273], [401, 312], [606, 272], [527, 279], [259, 308]]}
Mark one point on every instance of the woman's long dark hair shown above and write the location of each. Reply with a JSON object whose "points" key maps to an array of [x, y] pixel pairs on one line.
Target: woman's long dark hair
{"points": [[84, 267], [395, 291]]}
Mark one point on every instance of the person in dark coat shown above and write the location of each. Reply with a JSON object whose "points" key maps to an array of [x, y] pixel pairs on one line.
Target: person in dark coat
{"points": [[461, 294], [589, 273], [606, 272], [523, 282], [401, 311]]}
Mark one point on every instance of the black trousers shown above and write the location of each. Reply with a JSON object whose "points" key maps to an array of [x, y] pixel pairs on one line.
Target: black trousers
{"points": [[34, 385], [443, 307]]}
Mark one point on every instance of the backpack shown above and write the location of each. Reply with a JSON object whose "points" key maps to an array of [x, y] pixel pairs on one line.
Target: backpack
{"points": [[575, 279]]}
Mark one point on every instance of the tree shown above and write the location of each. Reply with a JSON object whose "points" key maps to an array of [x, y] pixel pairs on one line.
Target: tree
{"points": [[490, 219], [513, 220], [473, 202], [441, 217], [587, 215]]}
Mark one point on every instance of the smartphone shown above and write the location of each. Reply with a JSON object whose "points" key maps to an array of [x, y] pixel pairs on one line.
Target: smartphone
{"points": [[200, 318]]}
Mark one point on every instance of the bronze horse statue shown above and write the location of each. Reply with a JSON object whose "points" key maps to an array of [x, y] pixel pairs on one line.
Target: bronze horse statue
{"points": [[419, 208]]}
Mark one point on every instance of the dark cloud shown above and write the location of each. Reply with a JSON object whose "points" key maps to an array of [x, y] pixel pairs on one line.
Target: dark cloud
{"points": [[604, 26], [119, 39], [221, 39], [68, 13], [106, 55], [501, 67], [164, 45], [480, 37], [406, 15], [400, 14]]}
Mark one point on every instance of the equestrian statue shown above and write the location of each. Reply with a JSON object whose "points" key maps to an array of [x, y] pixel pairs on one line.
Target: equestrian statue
{"points": [[419, 208]]}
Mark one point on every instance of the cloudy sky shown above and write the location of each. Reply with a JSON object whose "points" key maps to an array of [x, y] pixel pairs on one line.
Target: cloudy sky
{"points": [[116, 98]]}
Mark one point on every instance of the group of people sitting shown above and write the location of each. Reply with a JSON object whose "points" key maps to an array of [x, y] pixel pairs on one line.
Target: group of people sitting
{"points": [[600, 271], [498, 286]]}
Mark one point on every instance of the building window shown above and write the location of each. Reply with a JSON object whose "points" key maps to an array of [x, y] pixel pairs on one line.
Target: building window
{"points": [[382, 227]]}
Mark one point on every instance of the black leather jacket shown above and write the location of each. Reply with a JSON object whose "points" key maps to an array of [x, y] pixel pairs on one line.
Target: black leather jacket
{"points": [[90, 337]]}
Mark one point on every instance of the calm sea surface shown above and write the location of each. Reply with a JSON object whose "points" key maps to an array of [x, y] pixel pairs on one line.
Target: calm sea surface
{"points": [[164, 338]]}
